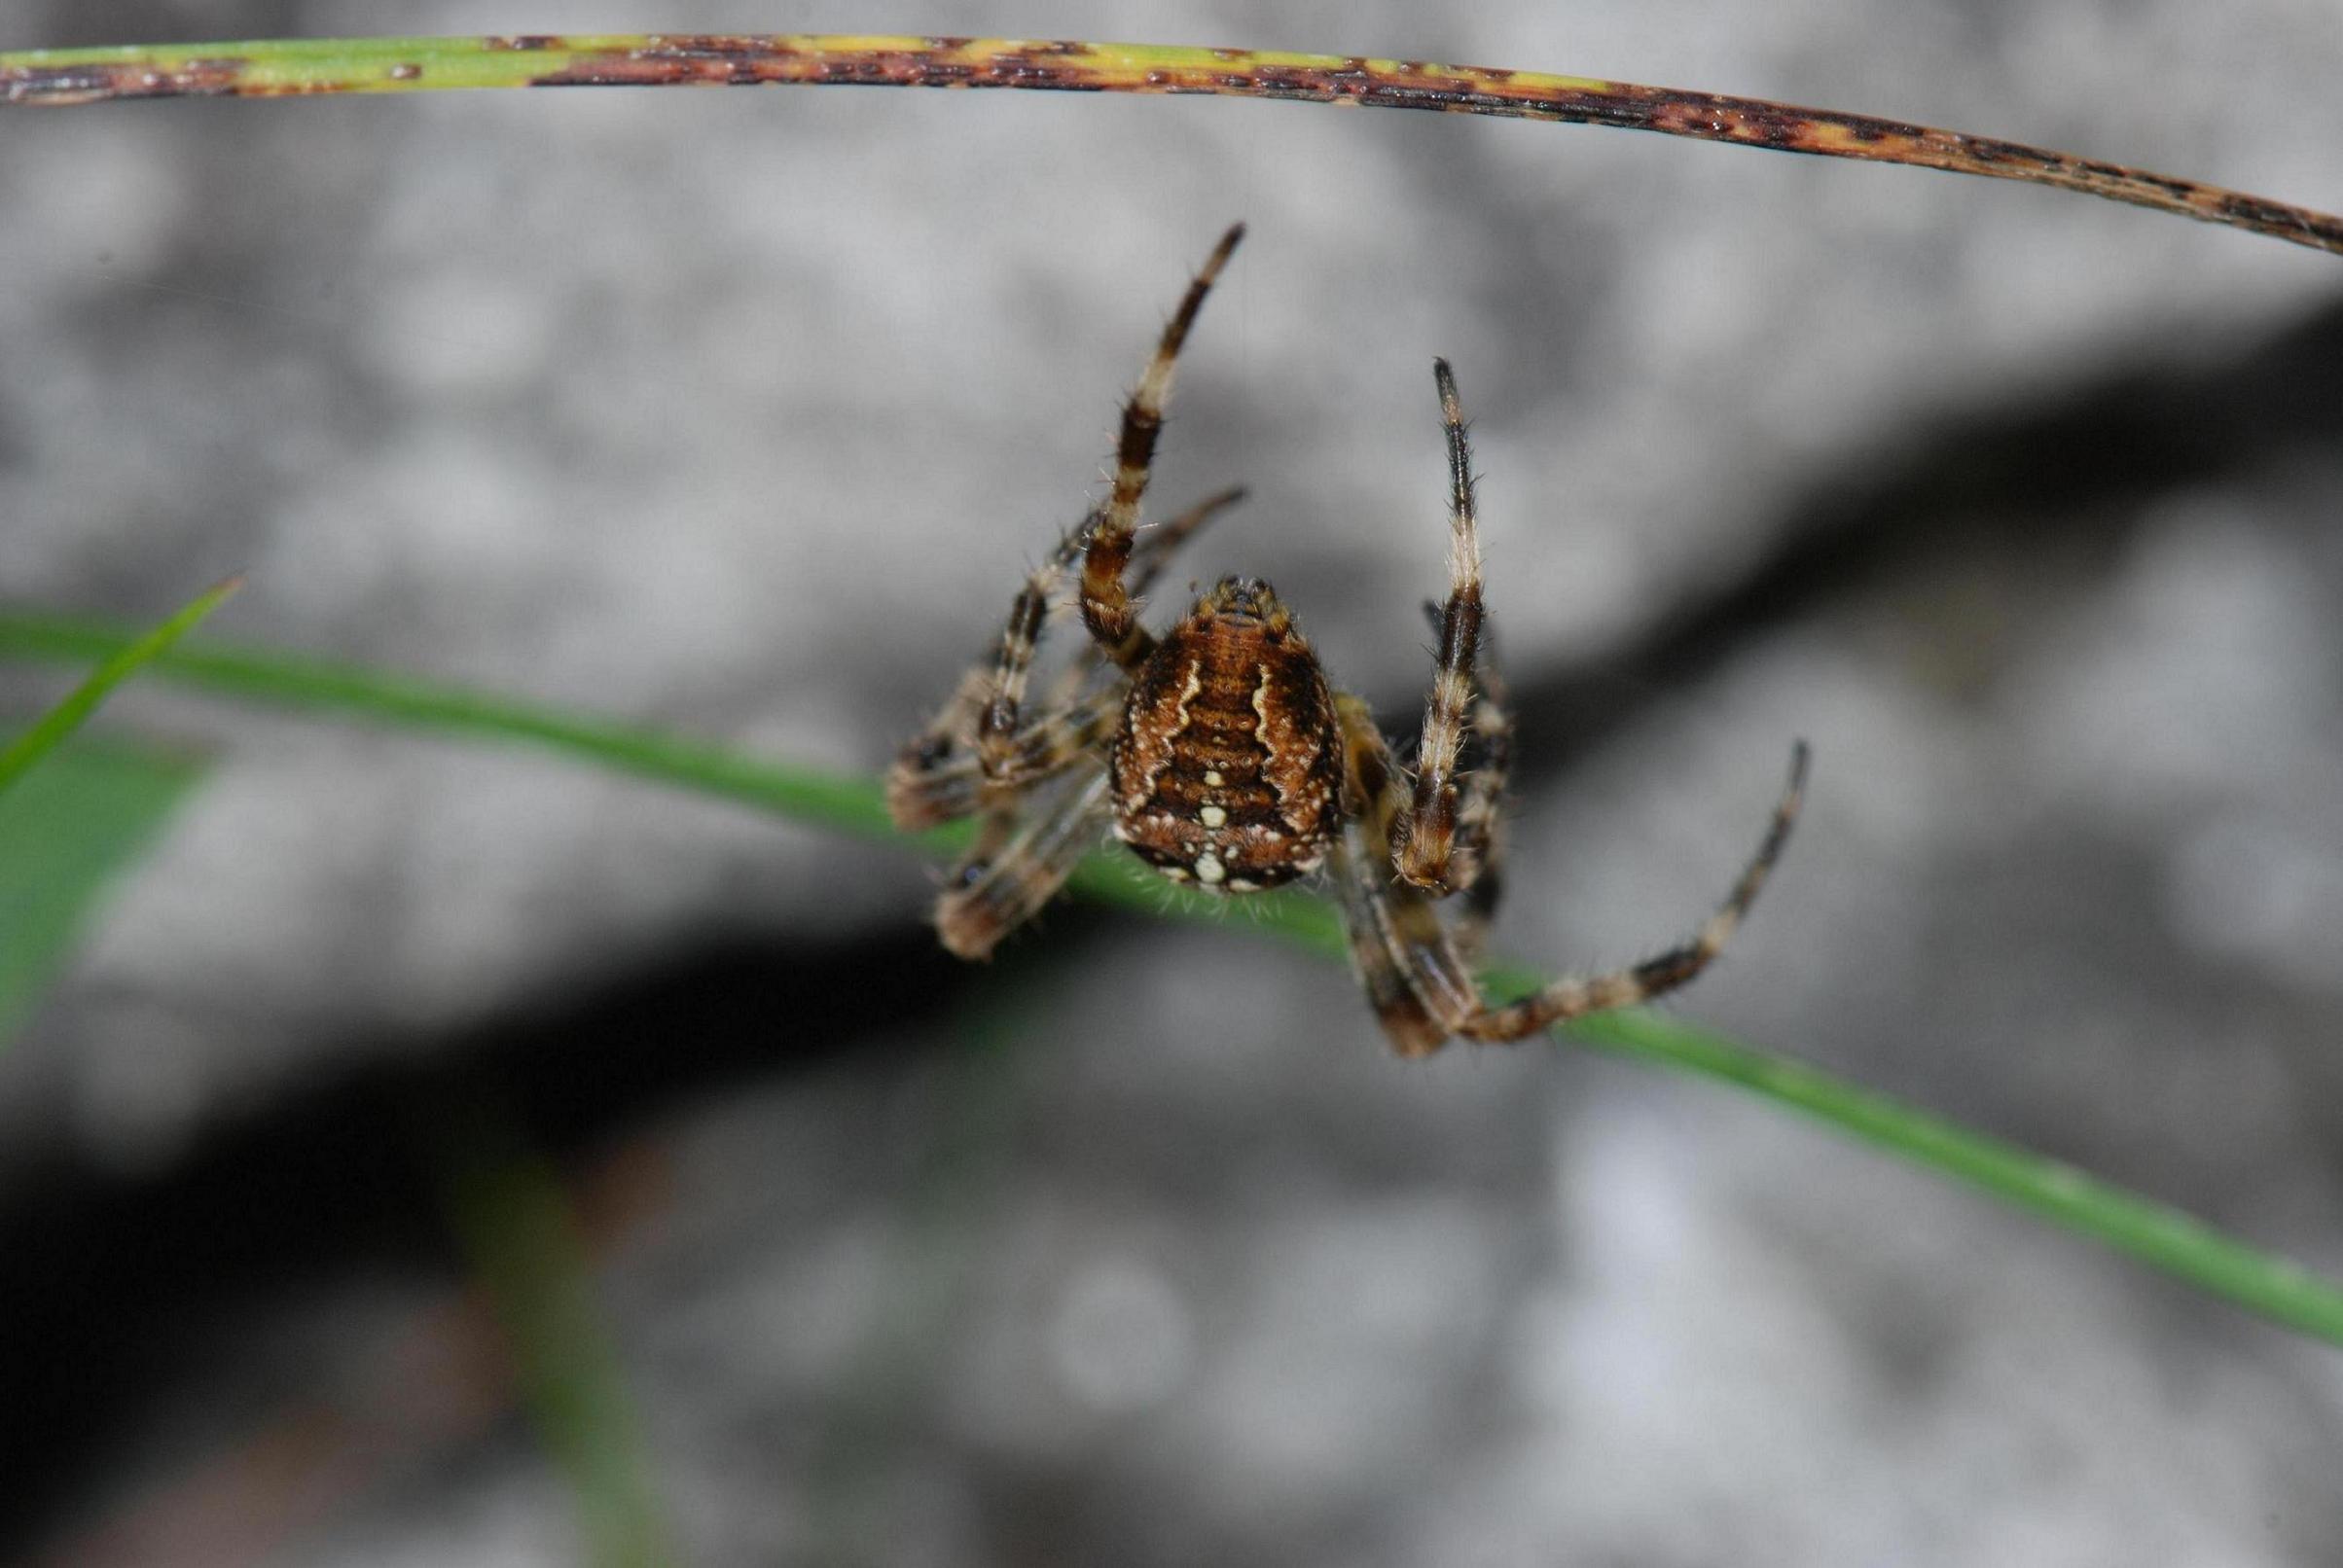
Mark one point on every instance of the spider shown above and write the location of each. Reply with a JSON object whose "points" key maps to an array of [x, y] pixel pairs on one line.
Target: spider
{"points": [[1221, 755]]}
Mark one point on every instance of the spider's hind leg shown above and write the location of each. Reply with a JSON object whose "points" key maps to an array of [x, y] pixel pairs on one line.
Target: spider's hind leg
{"points": [[1663, 971], [1421, 984], [1018, 867], [1476, 861], [1415, 979], [980, 745]]}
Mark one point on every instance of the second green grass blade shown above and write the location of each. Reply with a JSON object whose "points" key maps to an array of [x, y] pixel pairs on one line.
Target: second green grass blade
{"points": [[69, 829], [65, 833], [117, 662]]}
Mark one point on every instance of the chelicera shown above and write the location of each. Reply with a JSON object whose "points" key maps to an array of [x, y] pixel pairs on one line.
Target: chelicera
{"points": [[1220, 754]]}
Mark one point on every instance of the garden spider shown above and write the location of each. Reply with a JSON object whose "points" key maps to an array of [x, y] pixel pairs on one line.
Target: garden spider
{"points": [[1221, 755]]}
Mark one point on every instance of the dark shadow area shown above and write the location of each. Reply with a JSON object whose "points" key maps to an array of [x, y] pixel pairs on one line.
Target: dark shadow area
{"points": [[118, 1280]]}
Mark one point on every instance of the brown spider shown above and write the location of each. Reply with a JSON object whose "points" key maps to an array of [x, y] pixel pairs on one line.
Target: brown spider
{"points": [[1219, 753]]}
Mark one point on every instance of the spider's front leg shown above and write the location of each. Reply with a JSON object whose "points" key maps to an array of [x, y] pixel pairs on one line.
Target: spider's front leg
{"points": [[982, 742], [1107, 607], [1442, 842]]}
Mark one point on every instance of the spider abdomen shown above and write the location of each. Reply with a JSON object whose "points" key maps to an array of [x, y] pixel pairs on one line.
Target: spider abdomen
{"points": [[1228, 761]]}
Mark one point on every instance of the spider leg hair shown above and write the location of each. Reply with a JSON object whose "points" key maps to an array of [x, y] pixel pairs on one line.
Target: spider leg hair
{"points": [[993, 891], [924, 790], [1151, 554], [1419, 985], [1477, 864], [1663, 971], [998, 733], [1426, 848], [1415, 979], [1108, 608]]}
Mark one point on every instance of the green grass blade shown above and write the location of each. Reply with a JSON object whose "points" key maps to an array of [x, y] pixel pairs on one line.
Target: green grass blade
{"points": [[2159, 1236], [66, 832], [117, 664], [307, 67], [842, 804]]}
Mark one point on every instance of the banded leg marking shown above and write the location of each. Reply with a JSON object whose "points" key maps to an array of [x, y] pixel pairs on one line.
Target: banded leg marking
{"points": [[1107, 605], [1663, 971], [923, 792], [1000, 886], [1426, 842], [1419, 982]]}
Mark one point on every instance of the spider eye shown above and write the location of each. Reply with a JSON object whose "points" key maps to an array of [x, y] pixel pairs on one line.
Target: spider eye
{"points": [[971, 874]]}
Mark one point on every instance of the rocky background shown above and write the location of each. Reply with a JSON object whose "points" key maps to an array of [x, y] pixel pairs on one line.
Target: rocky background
{"points": [[740, 413]]}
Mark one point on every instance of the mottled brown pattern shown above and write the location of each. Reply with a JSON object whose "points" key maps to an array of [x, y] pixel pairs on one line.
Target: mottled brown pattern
{"points": [[735, 59], [1226, 767]]}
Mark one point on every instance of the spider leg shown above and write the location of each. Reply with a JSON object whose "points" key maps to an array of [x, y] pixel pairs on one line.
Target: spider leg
{"points": [[978, 742], [982, 745], [1006, 878], [998, 719], [1148, 559], [927, 787], [1419, 985], [1477, 862], [935, 749], [1426, 848], [1413, 976], [1663, 971], [1106, 603]]}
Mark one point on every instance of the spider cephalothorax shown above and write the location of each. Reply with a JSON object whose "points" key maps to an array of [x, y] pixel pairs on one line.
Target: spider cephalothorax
{"points": [[1222, 756]]}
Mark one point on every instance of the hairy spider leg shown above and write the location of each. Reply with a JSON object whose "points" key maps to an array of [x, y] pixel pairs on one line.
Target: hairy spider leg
{"points": [[939, 776], [1149, 556], [992, 893], [1396, 943], [1486, 765], [1420, 986], [1107, 609], [1426, 848], [1663, 971], [924, 790], [997, 728]]}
